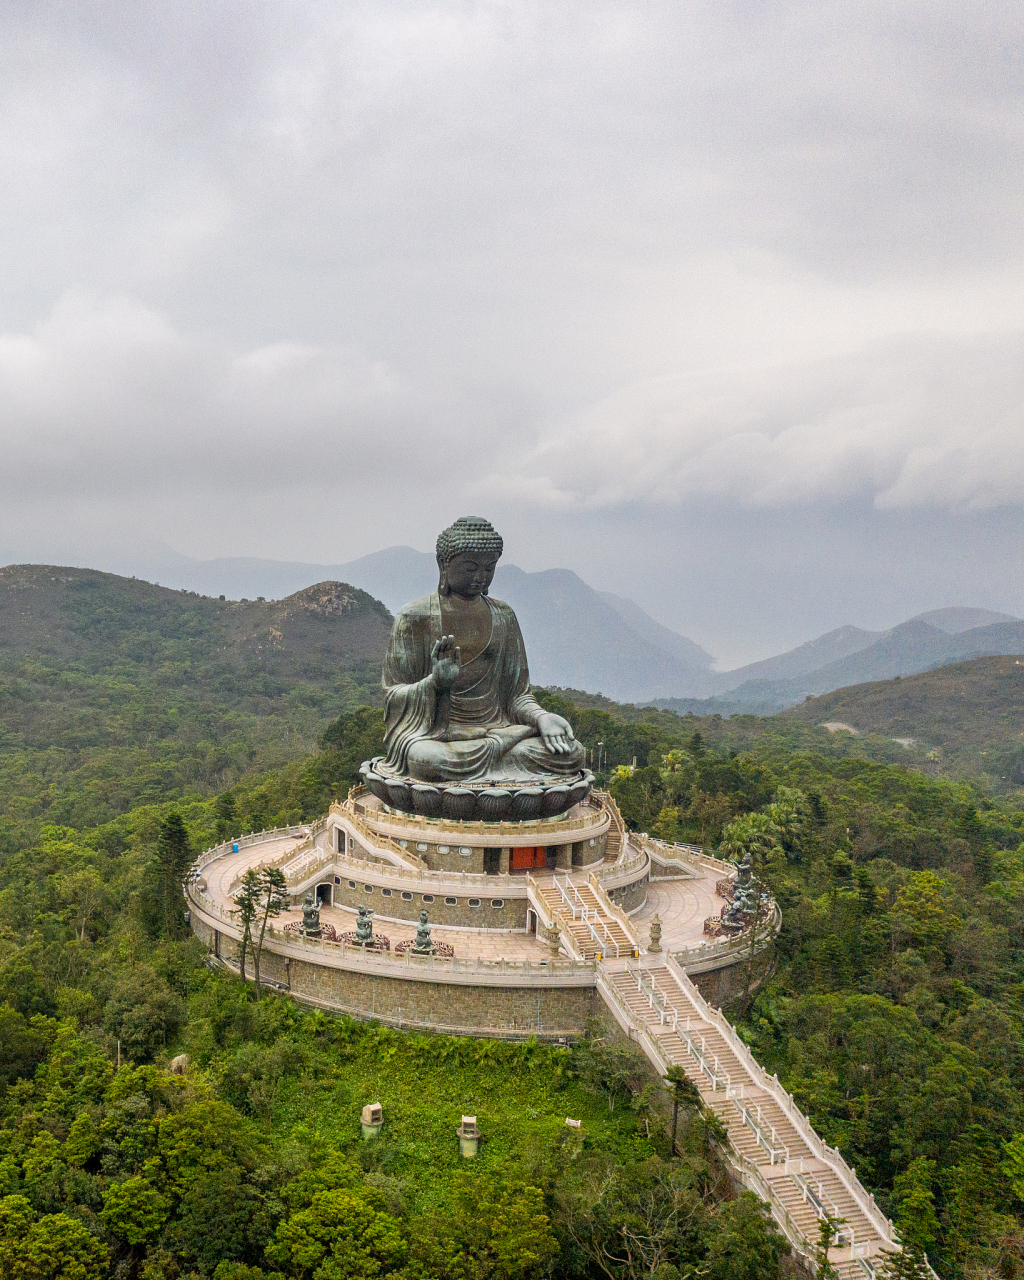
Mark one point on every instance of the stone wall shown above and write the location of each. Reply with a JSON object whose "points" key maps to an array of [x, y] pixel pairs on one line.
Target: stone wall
{"points": [[550, 1013], [630, 896], [442, 910], [721, 986], [586, 852]]}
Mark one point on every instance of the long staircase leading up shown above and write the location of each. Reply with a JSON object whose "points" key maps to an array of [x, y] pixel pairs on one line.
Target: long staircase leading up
{"points": [[773, 1148], [585, 914]]}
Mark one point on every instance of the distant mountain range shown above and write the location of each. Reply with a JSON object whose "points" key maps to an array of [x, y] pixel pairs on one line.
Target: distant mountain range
{"points": [[581, 638], [920, 644], [574, 635]]}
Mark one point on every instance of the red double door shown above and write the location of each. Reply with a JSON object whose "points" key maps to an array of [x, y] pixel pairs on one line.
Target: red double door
{"points": [[527, 859]]}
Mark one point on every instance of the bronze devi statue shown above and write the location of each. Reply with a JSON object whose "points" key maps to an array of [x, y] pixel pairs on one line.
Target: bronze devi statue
{"points": [[457, 703]]}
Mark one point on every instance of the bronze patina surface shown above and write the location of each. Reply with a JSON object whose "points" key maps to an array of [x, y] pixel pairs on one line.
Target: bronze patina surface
{"points": [[465, 738]]}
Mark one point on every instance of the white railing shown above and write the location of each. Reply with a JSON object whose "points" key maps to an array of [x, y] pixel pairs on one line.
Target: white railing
{"points": [[777, 1150], [739, 944], [612, 911], [588, 915], [848, 1176], [547, 918], [244, 842], [691, 855], [823, 1205]]}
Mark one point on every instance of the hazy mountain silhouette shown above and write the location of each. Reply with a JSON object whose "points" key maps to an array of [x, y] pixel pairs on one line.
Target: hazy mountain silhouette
{"points": [[581, 638]]}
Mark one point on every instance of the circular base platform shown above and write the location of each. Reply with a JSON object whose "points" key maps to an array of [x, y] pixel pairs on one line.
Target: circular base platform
{"points": [[498, 800]]}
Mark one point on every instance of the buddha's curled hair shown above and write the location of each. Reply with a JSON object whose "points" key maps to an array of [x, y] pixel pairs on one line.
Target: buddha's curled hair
{"points": [[468, 533]]}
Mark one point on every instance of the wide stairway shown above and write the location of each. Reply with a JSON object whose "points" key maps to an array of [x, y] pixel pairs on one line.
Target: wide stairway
{"points": [[772, 1146], [581, 913]]}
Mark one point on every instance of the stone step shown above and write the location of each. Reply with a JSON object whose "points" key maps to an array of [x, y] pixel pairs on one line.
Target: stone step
{"points": [[740, 1134], [799, 1210], [855, 1217]]}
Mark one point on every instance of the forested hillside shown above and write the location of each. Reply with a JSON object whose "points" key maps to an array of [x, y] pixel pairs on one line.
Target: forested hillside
{"points": [[892, 1006], [967, 718], [114, 691], [892, 1009]]}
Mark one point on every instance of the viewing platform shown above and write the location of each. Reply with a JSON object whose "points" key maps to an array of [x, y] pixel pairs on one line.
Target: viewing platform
{"points": [[538, 950]]}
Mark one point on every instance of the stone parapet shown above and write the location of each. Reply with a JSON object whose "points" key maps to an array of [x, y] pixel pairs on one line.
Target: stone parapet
{"points": [[208, 920], [585, 819]]}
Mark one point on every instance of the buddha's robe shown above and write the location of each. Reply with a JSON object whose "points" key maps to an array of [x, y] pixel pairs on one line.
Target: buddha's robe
{"points": [[484, 726]]}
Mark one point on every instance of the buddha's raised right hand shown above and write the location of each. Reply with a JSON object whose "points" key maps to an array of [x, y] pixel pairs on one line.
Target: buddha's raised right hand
{"points": [[445, 662]]}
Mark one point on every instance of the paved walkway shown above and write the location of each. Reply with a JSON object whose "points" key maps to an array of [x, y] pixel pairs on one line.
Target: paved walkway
{"points": [[487, 944], [683, 906]]}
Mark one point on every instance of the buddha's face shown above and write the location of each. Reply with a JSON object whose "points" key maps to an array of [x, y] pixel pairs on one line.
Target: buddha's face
{"points": [[469, 573]]}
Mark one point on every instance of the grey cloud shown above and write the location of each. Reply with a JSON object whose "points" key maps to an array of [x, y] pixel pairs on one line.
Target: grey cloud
{"points": [[923, 422], [298, 280]]}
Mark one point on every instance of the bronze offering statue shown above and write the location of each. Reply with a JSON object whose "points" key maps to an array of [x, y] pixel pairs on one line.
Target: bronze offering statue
{"points": [[364, 927], [465, 738], [310, 917], [423, 945]]}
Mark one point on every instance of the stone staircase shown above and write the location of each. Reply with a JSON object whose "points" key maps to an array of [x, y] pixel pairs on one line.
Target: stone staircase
{"points": [[772, 1147], [615, 841], [593, 929]]}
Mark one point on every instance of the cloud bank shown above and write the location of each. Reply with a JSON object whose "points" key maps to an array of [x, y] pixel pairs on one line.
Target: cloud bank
{"points": [[304, 281], [925, 423]]}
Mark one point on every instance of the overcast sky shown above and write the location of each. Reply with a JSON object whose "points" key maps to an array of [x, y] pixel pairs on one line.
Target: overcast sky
{"points": [[720, 305]]}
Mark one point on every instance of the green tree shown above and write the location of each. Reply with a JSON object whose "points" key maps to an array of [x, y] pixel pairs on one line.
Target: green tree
{"points": [[273, 893], [84, 895], [828, 1234], [225, 817], [744, 1244], [53, 1247], [343, 1235], [915, 1204], [642, 1105], [143, 1013], [684, 1094], [174, 857], [247, 909], [23, 1044], [499, 1231], [1013, 1164], [640, 795], [133, 1210]]}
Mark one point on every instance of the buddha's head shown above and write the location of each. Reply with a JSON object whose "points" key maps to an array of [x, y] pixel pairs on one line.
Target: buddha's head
{"points": [[467, 555]]}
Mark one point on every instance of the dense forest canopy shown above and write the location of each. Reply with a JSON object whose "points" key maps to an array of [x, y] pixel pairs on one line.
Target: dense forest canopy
{"points": [[892, 1006]]}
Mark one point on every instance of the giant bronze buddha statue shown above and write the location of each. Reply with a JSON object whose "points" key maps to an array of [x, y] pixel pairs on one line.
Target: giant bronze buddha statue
{"points": [[464, 735]]}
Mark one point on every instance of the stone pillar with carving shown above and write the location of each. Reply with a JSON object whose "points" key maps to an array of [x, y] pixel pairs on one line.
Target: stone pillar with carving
{"points": [[503, 860]]}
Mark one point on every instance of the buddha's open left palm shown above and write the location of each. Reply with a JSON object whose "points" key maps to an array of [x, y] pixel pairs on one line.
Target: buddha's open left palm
{"points": [[555, 732]]}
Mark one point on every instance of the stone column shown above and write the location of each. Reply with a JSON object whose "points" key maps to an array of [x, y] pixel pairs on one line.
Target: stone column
{"points": [[563, 857], [503, 861]]}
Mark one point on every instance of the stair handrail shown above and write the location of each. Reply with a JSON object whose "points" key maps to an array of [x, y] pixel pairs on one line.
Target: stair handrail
{"points": [[880, 1222], [824, 1206], [564, 891], [608, 936], [775, 1146], [613, 911], [547, 917]]}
